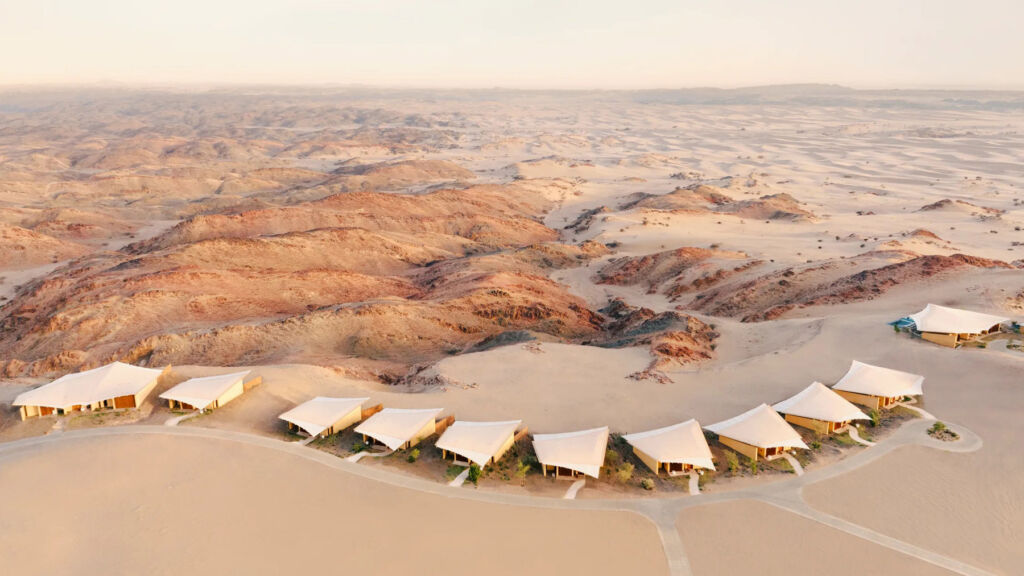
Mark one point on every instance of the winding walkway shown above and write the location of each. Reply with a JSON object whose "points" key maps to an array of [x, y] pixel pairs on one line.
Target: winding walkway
{"points": [[662, 511], [460, 479], [856, 436], [794, 463], [179, 419]]}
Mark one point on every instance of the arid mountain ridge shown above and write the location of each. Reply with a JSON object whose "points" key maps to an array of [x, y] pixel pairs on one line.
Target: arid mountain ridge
{"points": [[231, 230]]}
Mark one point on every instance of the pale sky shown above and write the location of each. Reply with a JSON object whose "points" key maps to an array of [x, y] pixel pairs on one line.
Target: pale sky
{"points": [[516, 43]]}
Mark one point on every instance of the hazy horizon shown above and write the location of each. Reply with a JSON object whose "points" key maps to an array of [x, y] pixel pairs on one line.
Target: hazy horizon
{"points": [[537, 46]]}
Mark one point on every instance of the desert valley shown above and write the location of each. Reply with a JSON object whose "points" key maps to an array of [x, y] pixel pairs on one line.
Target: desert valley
{"points": [[561, 261]]}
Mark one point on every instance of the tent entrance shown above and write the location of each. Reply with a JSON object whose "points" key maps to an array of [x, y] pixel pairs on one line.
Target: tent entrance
{"points": [[565, 473], [677, 468]]}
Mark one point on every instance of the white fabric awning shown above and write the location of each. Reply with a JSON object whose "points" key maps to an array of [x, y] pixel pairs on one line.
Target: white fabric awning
{"points": [[761, 427], [953, 320], [477, 441], [581, 451], [201, 392], [395, 426], [316, 415], [91, 386], [877, 381], [682, 443], [820, 403]]}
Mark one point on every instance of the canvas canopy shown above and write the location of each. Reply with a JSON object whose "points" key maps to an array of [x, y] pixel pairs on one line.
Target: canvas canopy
{"points": [[761, 427], [953, 320], [582, 451], [393, 427], [682, 443], [91, 386], [201, 392], [820, 403], [316, 415], [877, 381], [477, 441]]}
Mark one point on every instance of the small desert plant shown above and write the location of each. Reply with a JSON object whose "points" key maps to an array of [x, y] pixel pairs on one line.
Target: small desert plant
{"points": [[612, 458], [876, 418], [522, 470], [474, 473], [896, 329], [753, 467], [647, 484], [358, 447], [733, 462], [414, 455], [937, 428], [624, 473], [815, 445]]}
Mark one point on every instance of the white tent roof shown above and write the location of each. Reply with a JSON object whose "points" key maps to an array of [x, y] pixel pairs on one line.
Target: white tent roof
{"points": [[682, 443], [949, 320], [84, 388], [761, 427], [316, 415], [877, 381], [395, 426], [818, 402], [582, 451], [477, 441], [201, 392]]}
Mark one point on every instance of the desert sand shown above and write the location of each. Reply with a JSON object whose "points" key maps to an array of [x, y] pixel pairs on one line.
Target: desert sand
{"points": [[789, 544], [184, 505], [572, 260]]}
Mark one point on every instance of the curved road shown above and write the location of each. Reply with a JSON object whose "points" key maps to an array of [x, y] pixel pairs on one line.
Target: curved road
{"points": [[662, 511]]}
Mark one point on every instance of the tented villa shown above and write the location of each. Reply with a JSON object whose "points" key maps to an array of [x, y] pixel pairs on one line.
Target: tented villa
{"points": [[481, 443], [209, 392], [115, 385], [572, 454], [820, 409], [675, 449], [758, 433], [398, 428], [877, 387], [952, 326], [324, 416]]}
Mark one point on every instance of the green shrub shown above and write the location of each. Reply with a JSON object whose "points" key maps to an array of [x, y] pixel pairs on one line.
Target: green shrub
{"points": [[815, 445], [414, 455], [876, 418], [753, 467], [647, 484], [937, 428], [522, 469], [733, 462], [612, 458], [624, 473], [896, 328], [474, 473], [358, 447]]}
